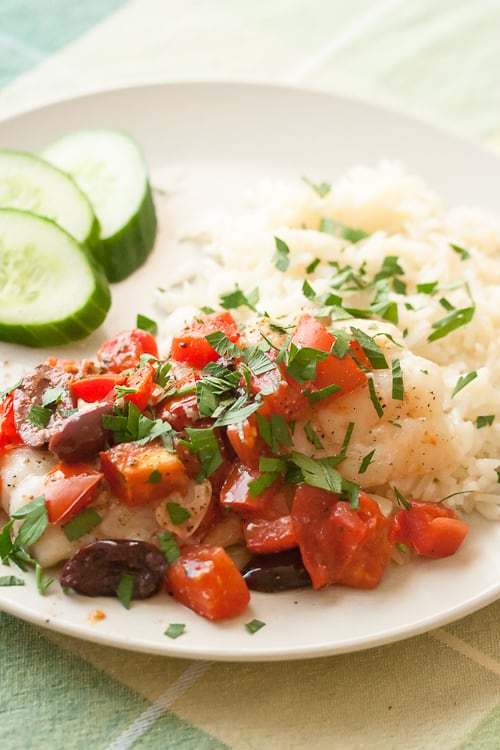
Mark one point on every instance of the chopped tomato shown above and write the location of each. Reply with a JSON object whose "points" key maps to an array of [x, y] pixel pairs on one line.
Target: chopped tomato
{"points": [[8, 430], [141, 385], [95, 387], [265, 537], [338, 543], [281, 394], [235, 494], [124, 350], [431, 529], [138, 474], [181, 409], [246, 442], [192, 347], [205, 579], [68, 488], [344, 371]]}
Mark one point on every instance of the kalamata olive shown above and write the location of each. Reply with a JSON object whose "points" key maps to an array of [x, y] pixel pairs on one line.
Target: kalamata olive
{"points": [[35, 384], [279, 572], [81, 435], [97, 568]]}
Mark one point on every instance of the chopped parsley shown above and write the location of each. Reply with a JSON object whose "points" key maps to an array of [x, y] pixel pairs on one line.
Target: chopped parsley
{"points": [[337, 229], [281, 257], [11, 581], [253, 626], [125, 589], [374, 398], [372, 351], [203, 442], [168, 546], [11, 388], [366, 461], [484, 420], [178, 514], [39, 416], [320, 188], [147, 324], [154, 477], [237, 298], [464, 254], [462, 381], [347, 439], [81, 524], [397, 380], [175, 629], [402, 500], [455, 319], [52, 396], [312, 436]]}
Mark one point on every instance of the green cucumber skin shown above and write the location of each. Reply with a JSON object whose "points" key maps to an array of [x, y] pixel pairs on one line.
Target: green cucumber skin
{"points": [[127, 250], [74, 327]]}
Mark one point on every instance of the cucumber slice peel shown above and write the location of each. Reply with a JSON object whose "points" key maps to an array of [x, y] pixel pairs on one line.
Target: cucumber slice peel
{"points": [[109, 167], [52, 291], [32, 184]]}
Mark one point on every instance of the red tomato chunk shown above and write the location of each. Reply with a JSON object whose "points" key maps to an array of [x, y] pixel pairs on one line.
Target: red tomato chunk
{"points": [[192, 347], [340, 544], [430, 529], [206, 580], [68, 488], [124, 350], [344, 371]]}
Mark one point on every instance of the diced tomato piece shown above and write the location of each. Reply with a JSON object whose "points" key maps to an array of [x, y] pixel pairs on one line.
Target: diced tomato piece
{"points": [[246, 442], [272, 503], [95, 387], [181, 409], [124, 350], [340, 544], [344, 371], [8, 429], [281, 394], [206, 580], [68, 488], [191, 345], [430, 529], [141, 384], [264, 536], [139, 474]]}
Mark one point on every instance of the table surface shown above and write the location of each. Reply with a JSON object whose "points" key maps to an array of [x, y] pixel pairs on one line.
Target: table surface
{"points": [[437, 59]]}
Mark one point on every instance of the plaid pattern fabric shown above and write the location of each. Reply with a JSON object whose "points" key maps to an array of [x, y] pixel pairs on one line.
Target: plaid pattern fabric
{"points": [[439, 60]]}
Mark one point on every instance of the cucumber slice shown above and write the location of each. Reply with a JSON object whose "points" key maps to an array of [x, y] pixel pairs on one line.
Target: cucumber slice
{"points": [[110, 168], [52, 291], [32, 184]]}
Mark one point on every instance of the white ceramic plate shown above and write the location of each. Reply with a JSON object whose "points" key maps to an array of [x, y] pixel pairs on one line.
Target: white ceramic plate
{"points": [[217, 139]]}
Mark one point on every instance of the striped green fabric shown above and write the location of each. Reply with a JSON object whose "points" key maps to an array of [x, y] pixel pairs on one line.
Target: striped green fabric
{"points": [[438, 59]]}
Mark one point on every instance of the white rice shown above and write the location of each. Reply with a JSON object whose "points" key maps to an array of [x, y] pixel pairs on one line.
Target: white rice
{"points": [[404, 219]]}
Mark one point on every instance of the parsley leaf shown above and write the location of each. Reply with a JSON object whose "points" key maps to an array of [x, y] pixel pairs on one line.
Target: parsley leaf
{"points": [[320, 188], [175, 629], [178, 514], [147, 324], [462, 381], [484, 420], [451, 322], [81, 524], [169, 546], [337, 229], [254, 625], [281, 257], [125, 589]]}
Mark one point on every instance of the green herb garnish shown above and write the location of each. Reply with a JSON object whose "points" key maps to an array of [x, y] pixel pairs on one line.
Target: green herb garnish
{"points": [[462, 381], [81, 524], [254, 625], [397, 380], [175, 629], [178, 514], [281, 257], [484, 420], [451, 322], [320, 188], [39, 416], [366, 461], [168, 546], [147, 324], [125, 589]]}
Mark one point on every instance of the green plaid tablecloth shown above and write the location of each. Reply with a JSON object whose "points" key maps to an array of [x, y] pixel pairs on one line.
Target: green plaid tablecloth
{"points": [[439, 59]]}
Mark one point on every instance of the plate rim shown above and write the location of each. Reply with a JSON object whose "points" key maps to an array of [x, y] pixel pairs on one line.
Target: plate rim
{"points": [[179, 650]]}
